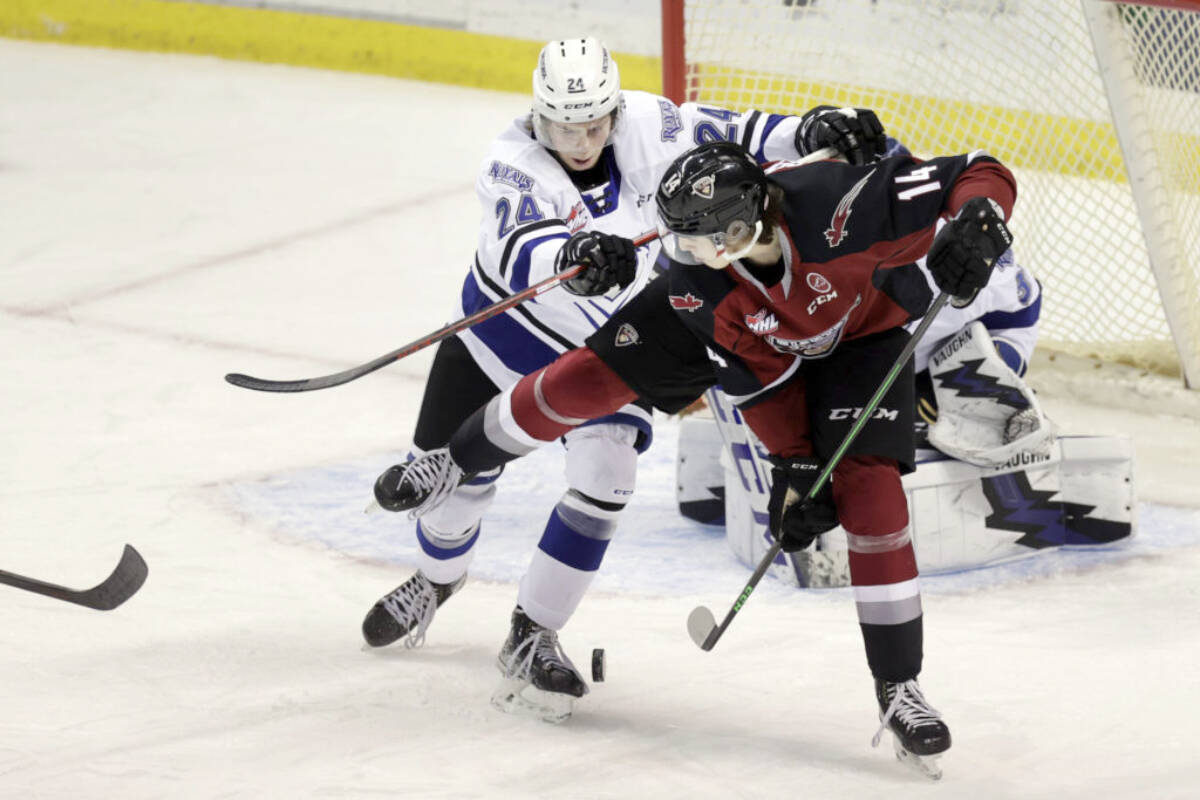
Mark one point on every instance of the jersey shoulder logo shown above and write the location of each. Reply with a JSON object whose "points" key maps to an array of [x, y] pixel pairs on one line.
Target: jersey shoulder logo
{"points": [[762, 322], [837, 232], [671, 122], [627, 335], [500, 172], [688, 302]]}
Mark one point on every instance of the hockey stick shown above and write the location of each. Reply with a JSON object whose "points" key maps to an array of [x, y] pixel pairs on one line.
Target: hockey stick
{"points": [[114, 590], [499, 307], [702, 625]]}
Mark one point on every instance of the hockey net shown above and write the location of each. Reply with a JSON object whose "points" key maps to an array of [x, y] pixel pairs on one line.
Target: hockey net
{"points": [[1106, 149]]}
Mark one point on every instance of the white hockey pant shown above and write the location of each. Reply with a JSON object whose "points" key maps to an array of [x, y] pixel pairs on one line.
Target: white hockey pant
{"points": [[446, 535], [601, 472]]}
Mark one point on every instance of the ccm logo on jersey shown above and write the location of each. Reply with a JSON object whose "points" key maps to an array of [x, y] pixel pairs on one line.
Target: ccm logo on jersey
{"points": [[837, 414], [841, 215], [689, 302]]}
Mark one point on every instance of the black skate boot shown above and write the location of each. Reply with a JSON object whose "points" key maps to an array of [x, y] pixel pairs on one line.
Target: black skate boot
{"points": [[419, 485], [920, 735], [539, 679], [407, 611]]}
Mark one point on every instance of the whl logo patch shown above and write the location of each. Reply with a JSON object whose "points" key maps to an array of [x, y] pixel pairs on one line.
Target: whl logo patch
{"points": [[762, 322], [841, 215], [689, 302]]}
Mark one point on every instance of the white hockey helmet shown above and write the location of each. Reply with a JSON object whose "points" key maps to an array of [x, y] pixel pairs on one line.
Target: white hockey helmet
{"points": [[576, 80]]}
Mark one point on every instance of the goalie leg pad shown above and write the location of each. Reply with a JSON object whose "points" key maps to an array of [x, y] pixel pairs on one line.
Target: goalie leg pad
{"points": [[986, 413]]}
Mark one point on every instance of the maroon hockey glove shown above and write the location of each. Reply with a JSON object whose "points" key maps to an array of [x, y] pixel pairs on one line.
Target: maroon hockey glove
{"points": [[856, 133], [794, 522], [608, 261], [964, 250]]}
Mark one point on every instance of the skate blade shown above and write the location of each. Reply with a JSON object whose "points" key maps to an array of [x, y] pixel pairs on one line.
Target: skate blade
{"points": [[925, 765], [523, 699]]}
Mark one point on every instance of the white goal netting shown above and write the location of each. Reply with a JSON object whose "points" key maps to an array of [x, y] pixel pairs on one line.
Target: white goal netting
{"points": [[1019, 78]]}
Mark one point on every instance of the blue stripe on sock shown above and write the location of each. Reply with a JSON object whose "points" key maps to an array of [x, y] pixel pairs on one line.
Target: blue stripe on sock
{"points": [[562, 543], [431, 548]]}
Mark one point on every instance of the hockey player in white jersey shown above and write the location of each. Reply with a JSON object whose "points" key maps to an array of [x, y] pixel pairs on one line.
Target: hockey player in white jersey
{"points": [[570, 183]]}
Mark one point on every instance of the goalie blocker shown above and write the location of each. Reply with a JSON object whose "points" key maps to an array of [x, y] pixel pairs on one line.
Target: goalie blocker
{"points": [[1069, 492], [986, 415]]}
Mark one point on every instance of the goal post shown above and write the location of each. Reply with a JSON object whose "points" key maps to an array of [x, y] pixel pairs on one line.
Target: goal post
{"points": [[1094, 104]]}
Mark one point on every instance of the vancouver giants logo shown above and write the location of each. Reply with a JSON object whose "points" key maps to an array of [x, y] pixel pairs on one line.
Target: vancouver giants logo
{"points": [[817, 346], [626, 335], [689, 302], [841, 215], [762, 322]]}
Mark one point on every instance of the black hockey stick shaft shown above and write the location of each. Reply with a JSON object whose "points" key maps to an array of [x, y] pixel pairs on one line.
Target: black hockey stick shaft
{"points": [[114, 590], [701, 624], [354, 373]]}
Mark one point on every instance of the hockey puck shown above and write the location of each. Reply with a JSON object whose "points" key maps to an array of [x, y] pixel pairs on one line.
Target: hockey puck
{"points": [[598, 665]]}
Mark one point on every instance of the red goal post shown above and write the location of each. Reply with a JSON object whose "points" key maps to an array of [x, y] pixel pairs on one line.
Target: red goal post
{"points": [[1095, 105]]}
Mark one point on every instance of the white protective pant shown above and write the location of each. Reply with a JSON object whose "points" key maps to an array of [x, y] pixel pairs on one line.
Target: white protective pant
{"points": [[601, 468]]}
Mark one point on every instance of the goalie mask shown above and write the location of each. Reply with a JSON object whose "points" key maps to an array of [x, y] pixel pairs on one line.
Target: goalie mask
{"points": [[576, 90], [708, 198]]}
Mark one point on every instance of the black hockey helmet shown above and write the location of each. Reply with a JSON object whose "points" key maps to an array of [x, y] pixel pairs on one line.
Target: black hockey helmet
{"points": [[706, 191], [710, 186]]}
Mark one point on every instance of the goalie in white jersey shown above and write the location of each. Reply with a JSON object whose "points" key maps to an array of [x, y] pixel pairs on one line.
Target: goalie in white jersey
{"points": [[570, 183]]}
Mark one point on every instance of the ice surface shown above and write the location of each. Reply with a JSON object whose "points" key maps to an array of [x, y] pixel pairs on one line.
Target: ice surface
{"points": [[165, 220]]}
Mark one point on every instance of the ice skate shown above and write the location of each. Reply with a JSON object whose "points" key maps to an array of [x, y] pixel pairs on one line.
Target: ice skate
{"points": [[919, 734], [539, 680], [407, 611], [419, 485]]}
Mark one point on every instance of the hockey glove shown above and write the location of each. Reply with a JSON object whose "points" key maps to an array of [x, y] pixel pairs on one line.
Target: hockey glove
{"points": [[856, 133], [794, 522], [608, 261], [964, 250]]}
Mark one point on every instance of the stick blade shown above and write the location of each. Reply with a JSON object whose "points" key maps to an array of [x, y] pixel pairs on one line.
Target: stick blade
{"points": [[700, 624], [264, 385], [122, 584]]}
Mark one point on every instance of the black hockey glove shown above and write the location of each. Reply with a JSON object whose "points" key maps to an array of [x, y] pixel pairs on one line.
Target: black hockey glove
{"points": [[608, 261], [856, 133], [794, 522], [966, 247]]}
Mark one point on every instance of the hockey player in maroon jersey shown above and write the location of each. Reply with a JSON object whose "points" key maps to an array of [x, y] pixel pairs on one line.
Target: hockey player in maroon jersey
{"points": [[790, 288]]}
